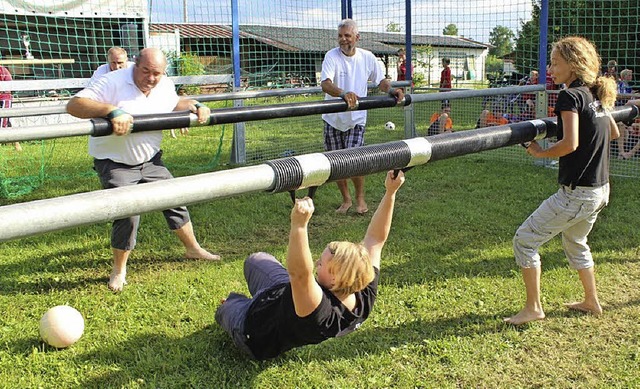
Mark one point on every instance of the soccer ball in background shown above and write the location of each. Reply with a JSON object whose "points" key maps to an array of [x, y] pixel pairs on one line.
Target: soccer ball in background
{"points": [[389, 126]]}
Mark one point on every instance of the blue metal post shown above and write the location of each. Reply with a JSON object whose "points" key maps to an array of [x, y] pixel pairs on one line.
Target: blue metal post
{"points": [[409, 120], [238, 147], [542, 49]]}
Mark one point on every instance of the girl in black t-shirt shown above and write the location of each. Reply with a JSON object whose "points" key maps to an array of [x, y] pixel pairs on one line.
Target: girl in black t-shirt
{"points": [[585, 128]]}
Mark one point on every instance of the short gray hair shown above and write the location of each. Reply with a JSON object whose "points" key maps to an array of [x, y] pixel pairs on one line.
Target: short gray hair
{"points": [[349, 23]]}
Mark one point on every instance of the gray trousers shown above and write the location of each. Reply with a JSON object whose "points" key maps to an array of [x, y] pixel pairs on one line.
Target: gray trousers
{"points": [[261, 271], [571, 212], [113, 175]]}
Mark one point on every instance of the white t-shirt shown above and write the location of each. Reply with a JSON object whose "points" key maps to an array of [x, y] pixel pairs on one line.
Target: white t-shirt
{"points": [[104, 69], [117, 88], [351, 74]]}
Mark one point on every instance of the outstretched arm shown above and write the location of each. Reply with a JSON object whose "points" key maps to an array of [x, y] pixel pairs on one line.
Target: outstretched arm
{"points": [[380, 225], [307, 294]]}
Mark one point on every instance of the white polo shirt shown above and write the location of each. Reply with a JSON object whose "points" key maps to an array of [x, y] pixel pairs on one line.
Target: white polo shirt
{"points": [[117, 88], [104, 69], [351, 74]]}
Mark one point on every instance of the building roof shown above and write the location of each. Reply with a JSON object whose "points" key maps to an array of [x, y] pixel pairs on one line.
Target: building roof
{"points": [[312, 39]]}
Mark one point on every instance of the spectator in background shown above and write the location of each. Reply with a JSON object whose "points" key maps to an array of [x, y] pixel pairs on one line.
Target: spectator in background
{"points": [[441, 121], [628, 134], [5, 102], [116, 59], [402, 65], [528, 102], [494, 117], [612, 70], [346, 72], [445, 75], [125, 158], [624, 84]]}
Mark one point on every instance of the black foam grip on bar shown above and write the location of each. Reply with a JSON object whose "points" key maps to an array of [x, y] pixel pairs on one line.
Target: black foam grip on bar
{"points": [[150, 122], [165, 122], [101, 127], [626, 114], [455, 144], [365, 160], [288, 174]]}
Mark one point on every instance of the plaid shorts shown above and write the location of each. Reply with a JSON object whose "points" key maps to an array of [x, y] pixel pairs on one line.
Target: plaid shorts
{"points": [[337, 140]]}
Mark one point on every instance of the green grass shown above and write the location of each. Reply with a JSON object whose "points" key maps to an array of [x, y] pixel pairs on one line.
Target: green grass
{"points": [[448, 277]]}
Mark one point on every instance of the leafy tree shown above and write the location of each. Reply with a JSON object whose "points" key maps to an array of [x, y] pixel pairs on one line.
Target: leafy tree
{"points": [[393, 27], [612, 26], [451, 29], [501, 38], [494, 65], [424, 59]]}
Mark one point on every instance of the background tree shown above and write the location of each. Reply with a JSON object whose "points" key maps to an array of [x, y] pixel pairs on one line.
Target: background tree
{"points": [[393, 27], [494, 66], [424, 58], [501, 38], [451, 29], [609, 26]]}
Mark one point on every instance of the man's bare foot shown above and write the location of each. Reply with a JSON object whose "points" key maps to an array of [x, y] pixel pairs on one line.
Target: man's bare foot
{"points": [[343, 208], [117, 281], [200, 253], [594, 309], [362, 208], [524, 316]]}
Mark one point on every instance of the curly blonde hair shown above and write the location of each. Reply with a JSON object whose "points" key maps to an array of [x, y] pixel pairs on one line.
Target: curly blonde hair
{"points": [[350, 266], [584, 61]]}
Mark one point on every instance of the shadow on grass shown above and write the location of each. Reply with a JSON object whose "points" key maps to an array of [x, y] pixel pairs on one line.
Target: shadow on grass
{"points": [[69, 269], [206, 358], [465, 262]]}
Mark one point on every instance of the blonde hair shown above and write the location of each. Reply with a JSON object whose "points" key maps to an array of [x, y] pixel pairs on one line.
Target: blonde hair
{"points": [[584, 61], [350, 266], [625, 72]]}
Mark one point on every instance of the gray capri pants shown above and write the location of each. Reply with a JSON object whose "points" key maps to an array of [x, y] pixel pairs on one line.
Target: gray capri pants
{"points": [[113, 175], [261, 271], [571, 212]]}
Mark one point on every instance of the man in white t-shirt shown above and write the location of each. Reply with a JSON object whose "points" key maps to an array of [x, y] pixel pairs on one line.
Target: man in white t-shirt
{"points": [[346, 71], [126, 158], [116, 59]]}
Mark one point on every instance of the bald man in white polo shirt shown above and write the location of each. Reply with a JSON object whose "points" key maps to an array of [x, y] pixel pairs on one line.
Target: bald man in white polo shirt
{"points": [[125, 158]]}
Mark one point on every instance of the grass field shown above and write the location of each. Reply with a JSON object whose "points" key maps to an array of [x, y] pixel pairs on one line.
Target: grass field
{"points": [[447, 279]]}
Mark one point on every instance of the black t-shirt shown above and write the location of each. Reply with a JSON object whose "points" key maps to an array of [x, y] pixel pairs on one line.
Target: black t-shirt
{"points": [[272, 326], [589, 164]]}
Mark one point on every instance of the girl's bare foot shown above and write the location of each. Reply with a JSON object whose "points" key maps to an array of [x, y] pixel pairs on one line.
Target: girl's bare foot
{"points": [[200, 253], [593, 308]]}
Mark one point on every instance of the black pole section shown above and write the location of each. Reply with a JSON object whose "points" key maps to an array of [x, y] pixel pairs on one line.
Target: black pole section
{"points": [[246, 114], [449, 145], [180, 119], [151, 122]]}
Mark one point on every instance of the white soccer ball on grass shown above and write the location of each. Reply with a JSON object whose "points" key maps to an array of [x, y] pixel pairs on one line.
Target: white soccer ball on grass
{"points": [[389, 126]]}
